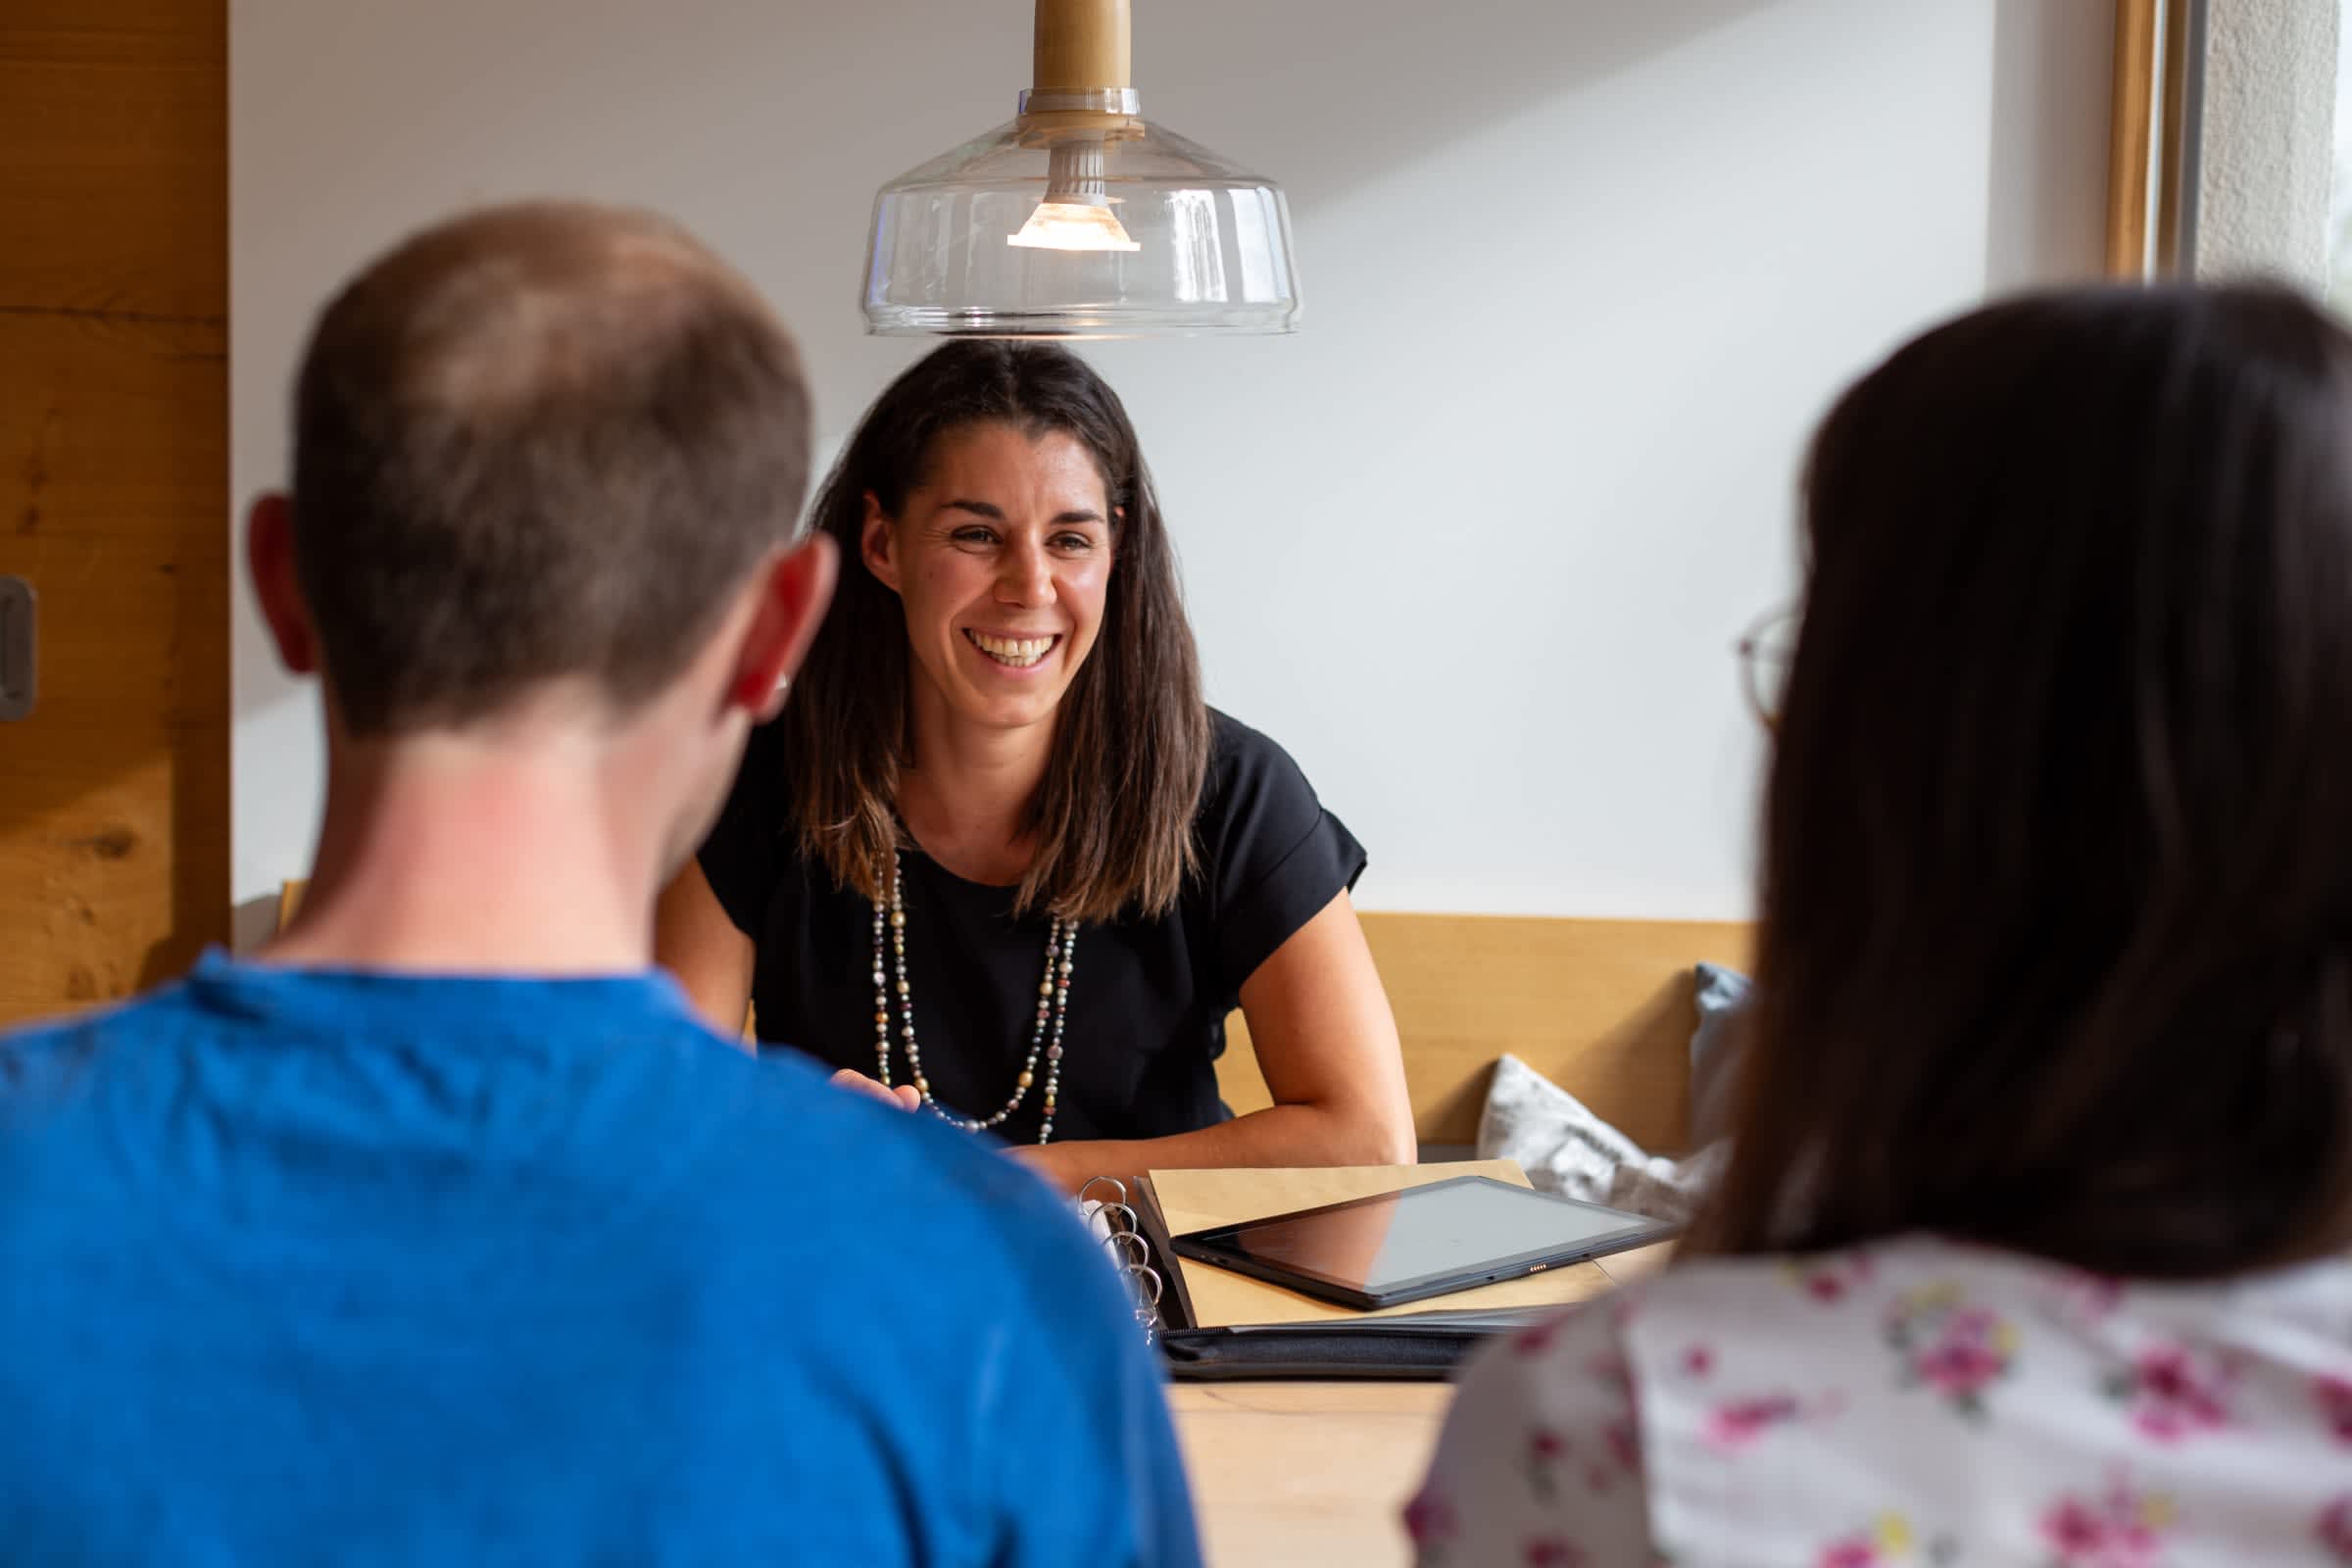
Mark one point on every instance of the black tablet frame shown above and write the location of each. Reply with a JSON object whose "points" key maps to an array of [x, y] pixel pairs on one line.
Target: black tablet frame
{"points": [[1215, 1245]]}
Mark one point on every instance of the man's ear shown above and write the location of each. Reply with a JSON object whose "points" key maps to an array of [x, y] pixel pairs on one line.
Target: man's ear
{"points": [[276, 587], [794, 591], [877, 543]]}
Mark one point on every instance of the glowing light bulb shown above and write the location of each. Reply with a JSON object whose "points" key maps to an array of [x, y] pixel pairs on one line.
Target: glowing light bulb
{"points": [[1073, 225]]}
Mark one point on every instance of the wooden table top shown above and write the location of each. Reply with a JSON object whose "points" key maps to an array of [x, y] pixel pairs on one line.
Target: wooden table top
{"points": [[1286, 1473], [1305, 1472]]}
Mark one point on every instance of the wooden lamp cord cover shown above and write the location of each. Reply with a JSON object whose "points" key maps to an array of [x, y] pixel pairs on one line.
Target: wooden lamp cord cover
{"points": [[1083, 46]]}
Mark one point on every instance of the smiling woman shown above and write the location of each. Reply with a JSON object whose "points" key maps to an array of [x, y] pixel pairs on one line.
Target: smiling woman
{"points": [[1003, 566], [997, 854]]}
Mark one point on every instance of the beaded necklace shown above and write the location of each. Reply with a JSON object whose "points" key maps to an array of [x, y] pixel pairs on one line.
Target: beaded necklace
{"points": [[1052, 1007]]}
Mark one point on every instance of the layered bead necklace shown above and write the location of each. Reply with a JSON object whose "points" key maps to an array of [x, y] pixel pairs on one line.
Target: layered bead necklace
{"points": [[1053, 1005]]}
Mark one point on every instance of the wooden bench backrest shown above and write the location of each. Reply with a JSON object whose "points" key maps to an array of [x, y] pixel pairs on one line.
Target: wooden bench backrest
{"points": [[1601, 1007]]}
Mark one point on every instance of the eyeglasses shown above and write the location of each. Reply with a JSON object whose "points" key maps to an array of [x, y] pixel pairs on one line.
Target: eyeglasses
{"points": [[1766, 652]]}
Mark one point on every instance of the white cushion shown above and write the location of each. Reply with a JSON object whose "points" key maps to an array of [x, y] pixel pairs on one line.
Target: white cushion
{"points": [[1567, 1150]]}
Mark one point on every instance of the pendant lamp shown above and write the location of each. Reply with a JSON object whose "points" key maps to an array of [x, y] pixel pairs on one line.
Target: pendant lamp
{"points": [[1079, 218]]}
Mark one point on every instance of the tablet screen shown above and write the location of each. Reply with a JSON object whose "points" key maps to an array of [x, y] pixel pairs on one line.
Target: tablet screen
{"points": [[1461, 1226]]}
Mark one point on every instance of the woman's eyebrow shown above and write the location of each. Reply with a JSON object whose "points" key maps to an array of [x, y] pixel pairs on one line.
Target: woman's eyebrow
{"points": [[996, 513]]}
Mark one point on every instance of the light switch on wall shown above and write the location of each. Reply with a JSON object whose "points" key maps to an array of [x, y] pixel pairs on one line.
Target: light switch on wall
{"points": [[19, 648]]}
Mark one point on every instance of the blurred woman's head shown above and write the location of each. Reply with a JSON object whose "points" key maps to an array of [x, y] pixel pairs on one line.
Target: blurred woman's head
{"points": [[2057, 888]]}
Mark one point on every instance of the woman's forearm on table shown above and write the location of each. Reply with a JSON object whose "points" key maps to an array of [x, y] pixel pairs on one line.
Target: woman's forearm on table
{"points": [[1304, 1133]]}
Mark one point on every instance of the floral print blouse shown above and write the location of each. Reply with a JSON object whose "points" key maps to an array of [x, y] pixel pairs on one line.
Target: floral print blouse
{"points": [[1910, 1402]]}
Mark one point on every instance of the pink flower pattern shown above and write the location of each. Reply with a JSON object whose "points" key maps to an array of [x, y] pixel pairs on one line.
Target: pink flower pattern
{"points": [[1619, 1439], [1738, 1423], [1546, 1450], [1885, 1544], [1943, 1344], [2173, 1395], [2334, 1530], [1829, 1280], [1430, 1519], [1534, 1341], [2334, 1395], [2120, 1528], [1624, 1444], [2146, 1386]]}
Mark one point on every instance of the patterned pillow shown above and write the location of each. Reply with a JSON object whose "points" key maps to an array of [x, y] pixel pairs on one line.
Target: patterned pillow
{"points": [[1565, 1149], [1723, 997]]}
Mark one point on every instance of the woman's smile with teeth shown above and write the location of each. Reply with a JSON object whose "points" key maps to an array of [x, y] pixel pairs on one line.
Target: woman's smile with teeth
{"points": [[1017, 651]]}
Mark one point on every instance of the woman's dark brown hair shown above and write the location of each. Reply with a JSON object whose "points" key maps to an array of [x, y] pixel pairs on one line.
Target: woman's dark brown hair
{"points": [[2056, 951], [1113, 820]]}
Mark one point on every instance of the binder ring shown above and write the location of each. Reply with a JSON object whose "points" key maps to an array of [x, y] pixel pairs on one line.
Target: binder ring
{"points": [[1112, 1228], [1142, 1273], [1114, 1222]]}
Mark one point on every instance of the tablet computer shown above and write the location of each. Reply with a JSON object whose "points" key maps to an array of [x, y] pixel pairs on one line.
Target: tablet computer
{"points": [[1421, 1242]]}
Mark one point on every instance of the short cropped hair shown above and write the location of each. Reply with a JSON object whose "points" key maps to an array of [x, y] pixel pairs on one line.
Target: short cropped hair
{"points": [[537, 443]]}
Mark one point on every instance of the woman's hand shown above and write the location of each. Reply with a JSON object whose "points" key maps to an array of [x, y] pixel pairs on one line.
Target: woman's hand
{"points": [[903, 1096], [1065, 1167]]}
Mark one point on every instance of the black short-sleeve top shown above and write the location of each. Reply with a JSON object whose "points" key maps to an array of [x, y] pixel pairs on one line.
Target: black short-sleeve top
{"points": [[1146, 1016]]}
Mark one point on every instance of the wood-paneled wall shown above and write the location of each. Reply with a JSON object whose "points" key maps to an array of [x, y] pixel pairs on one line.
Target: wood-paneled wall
{"points": [[1601, 1007], [114, 491]]}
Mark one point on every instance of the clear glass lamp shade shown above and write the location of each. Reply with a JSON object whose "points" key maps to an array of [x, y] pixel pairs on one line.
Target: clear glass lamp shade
{"points": [[1085, 224]]}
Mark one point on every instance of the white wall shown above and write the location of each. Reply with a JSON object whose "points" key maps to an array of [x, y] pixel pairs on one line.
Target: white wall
{"points": [[1475, 544], [2267, 141]]}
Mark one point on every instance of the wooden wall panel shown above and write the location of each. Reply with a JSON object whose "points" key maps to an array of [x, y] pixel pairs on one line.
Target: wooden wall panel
{"points": [[117, 428], [1601, 1007], [108, 847], [113, 479], [131, 635], [113, 157]]}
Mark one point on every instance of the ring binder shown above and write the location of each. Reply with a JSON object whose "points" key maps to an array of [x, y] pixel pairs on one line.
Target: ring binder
{"points": [[1115, 1223], [1124, 1215]]}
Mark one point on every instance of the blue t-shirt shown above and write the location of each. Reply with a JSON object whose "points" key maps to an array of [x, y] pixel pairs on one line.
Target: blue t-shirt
{"points": [[302, 1265]]}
